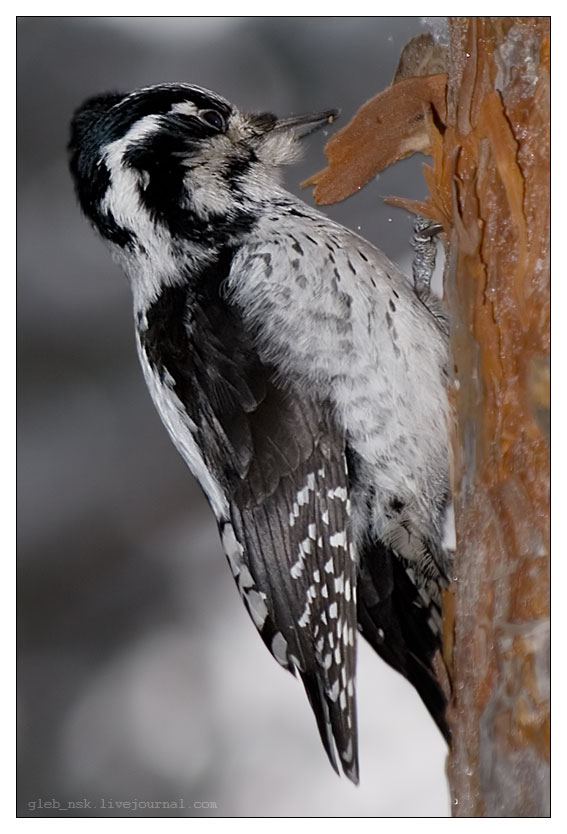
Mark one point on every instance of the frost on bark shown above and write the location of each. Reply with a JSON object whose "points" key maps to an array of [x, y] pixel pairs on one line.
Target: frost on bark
{"points": [[489, 187]]}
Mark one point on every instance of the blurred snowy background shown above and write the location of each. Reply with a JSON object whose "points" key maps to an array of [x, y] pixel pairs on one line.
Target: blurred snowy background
{"points": [[140, 674]]}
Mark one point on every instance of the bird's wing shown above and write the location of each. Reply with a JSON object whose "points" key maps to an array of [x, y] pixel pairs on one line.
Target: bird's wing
{"points": [[273, 466]]}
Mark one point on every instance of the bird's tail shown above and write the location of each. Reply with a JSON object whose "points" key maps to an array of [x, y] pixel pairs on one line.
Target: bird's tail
{"points": [[401, 625]]}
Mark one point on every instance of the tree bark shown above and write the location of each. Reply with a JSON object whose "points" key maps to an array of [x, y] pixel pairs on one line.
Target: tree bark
{"points": [[492, 173]]}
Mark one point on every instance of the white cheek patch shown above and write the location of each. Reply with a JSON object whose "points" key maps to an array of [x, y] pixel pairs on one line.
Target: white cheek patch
{"points": [[210, 193], [122, 198], [143, 128]]}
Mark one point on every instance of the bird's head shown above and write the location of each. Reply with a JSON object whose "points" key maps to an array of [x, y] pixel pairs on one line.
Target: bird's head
{"points": [[177, 157]]}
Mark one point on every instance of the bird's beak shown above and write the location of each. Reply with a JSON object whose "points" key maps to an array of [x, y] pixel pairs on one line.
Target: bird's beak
{"points": [[307, 123]]}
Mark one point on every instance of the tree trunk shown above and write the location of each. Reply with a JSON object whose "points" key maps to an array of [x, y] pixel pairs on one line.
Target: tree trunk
{"points": [[493, 164]]}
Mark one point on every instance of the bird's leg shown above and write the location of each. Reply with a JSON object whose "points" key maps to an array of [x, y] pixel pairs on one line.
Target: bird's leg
{"points": [[424, 244]]}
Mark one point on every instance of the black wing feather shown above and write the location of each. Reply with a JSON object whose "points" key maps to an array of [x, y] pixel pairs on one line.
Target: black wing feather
{"points": [[288, 562], [279, 459]]}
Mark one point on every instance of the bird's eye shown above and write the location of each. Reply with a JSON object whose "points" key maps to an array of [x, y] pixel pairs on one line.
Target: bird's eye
{"points": [[214, 119]]}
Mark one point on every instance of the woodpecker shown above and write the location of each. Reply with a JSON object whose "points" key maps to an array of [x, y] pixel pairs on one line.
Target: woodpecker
{"points": [[299, 374]]}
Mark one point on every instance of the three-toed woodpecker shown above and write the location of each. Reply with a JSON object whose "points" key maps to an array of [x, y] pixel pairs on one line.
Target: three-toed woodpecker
{"points": [[300, 376]]}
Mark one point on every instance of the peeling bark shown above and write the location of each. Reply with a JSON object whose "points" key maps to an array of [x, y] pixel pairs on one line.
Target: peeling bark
{"points": [[398, 118], [398, 114]]}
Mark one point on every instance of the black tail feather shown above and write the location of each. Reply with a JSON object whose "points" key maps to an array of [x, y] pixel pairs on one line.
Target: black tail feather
{"points": [[396, 622], [330, 722]]}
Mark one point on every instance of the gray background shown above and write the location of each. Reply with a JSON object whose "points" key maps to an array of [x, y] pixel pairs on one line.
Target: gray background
{"points": [[140, 674]]}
